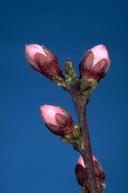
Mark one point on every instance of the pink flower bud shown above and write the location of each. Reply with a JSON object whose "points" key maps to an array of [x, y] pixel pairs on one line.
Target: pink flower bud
{"points": [[57, 119], [42, 60], [81, 173], [95, 63]]}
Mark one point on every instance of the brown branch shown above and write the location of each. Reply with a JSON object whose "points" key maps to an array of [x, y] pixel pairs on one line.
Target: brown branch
{"points": [[86, 152]]}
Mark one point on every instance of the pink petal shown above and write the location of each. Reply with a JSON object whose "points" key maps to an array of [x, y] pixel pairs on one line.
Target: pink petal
{"points": [[100, 52], [30, 51], [48, 113]]}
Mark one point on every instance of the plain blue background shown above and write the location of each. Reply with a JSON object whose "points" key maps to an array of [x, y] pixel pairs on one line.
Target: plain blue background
{"points": [[32, 160]]}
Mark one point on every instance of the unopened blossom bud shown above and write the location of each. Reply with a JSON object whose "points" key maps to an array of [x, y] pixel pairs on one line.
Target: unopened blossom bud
{"points": [[57, 119], [81, 175], [95, 63], [43, 60]]}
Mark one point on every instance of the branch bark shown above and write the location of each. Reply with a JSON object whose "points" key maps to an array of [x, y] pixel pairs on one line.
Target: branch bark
{"points": [[86, 151]]}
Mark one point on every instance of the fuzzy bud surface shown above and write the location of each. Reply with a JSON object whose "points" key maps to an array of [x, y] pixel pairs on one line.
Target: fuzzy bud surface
{"points": [[81, 176], [95, 63], [43, 60], [57, 119]]}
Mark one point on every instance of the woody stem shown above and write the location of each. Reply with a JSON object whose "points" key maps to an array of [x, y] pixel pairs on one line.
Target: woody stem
{"points": [[85, 150]]}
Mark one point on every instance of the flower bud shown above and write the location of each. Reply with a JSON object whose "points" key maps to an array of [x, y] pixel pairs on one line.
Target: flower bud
{"points": [[57, 120], [43, 60], [81, 175], [95, 63]]}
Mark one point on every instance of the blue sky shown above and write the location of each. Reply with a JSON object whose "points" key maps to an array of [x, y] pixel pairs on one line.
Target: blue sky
{"points": [[32, 160]]}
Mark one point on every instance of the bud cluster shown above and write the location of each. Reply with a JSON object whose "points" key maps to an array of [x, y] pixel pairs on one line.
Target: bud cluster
{"points": [[92, 67]]}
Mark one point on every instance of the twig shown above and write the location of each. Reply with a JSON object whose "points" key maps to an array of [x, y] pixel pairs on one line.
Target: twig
{"points": [[86, 152]]}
